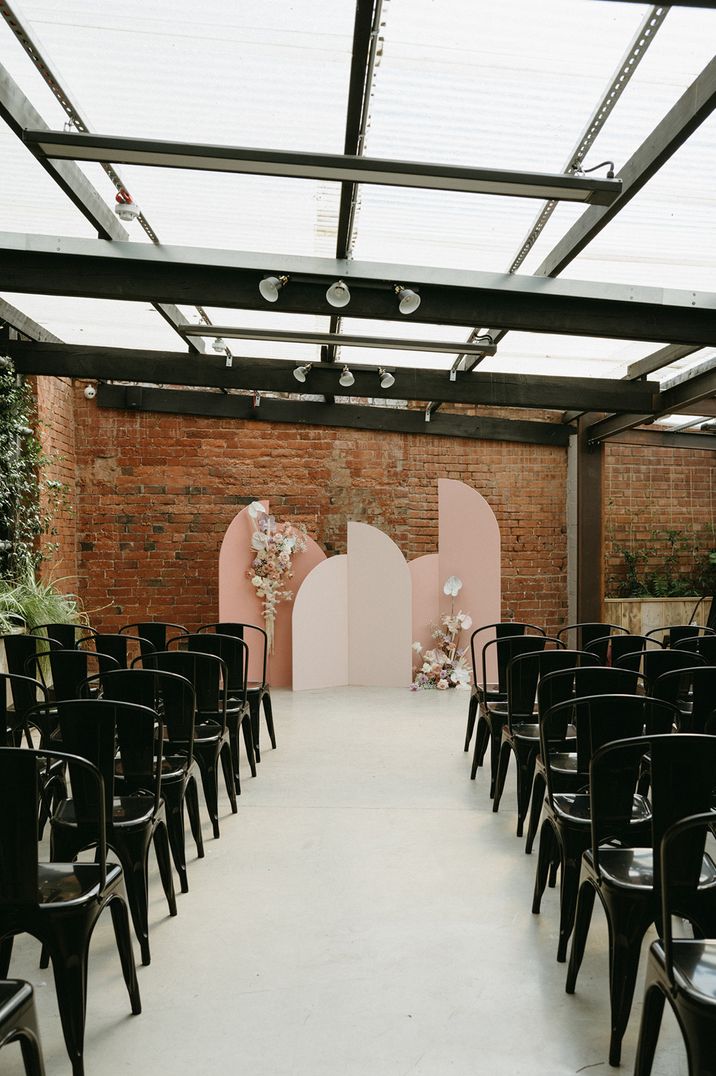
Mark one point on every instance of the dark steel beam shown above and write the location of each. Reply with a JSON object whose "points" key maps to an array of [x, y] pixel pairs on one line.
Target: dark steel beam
{"points": [[340, 168], [19, 114], [590, 527], [703, 442], [685, 393], [54, 265], [350, 416], [658, 360], [276, 375]]}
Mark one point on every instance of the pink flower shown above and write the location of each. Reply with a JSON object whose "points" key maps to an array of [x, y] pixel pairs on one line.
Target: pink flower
{"points": [[442, 685]]}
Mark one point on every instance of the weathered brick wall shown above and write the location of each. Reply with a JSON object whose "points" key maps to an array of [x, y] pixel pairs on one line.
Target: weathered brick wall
{"points": [[55, 411], [156, 493], [649, 492]]}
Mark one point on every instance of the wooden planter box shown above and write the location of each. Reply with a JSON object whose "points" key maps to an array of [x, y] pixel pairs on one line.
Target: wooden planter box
{"points": [[641, 615]]}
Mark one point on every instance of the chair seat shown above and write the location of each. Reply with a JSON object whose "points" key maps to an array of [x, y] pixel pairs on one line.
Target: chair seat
{"points": [[255, 686], [206, 730], [575, 806], [563, 762], [694, 966], [14, 994], [125, 810], [525, 731], [633, 868], [62, 883]]}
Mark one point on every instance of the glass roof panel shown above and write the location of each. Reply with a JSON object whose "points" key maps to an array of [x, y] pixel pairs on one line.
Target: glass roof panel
{"points": [[99, 321]]}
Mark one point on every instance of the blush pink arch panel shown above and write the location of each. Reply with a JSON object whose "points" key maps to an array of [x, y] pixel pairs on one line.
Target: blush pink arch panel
{"points": [[425, 578], [469, 547], [320, 627], [379, 610], [238, 600]]}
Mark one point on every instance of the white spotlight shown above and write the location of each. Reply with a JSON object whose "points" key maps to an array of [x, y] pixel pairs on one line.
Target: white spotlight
{"points": [[346, 379], [219, 345], [409, 300], [302, 372], [338, 295], [270, 287], [386, 379], [124, 207], [90, 392]]}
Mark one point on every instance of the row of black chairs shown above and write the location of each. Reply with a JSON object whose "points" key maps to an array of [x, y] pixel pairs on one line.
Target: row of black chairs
{"points": [[132, 743], [616, 745]]}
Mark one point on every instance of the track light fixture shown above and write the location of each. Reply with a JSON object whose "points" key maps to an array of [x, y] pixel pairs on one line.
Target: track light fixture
{"points": [[346, 379], [270, 287], [386, 378], [339, 295], [408, 299], [90, 392], [302, 372], [125, 208], [218, 345]]}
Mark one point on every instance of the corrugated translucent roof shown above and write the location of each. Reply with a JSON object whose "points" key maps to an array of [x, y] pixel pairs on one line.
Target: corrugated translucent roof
{"points": [[508, 85]]}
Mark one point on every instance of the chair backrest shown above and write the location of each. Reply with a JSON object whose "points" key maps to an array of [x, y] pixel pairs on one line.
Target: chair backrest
{"points": [[232, 650], [19, 803], [587, 631], [504, 629], [25, 693], [693, 690], [206, 673], [588, 679], [252, 634], [19, 649], [69, 668], [705, 645], [171, 695], [503, 650], [93, 728], [601, 719], [65, 634], [655, 662], [610, 648], [120, 646], [156, 632], [671, 634], [525, 671], [680, 860], [682, 778]]}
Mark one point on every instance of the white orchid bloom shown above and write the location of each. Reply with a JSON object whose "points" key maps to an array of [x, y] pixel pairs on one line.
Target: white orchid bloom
{"points": [[256, 509], [453, 586]]}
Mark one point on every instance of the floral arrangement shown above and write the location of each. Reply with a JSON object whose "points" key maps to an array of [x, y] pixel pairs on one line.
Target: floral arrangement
{"points": [[445, 665], [274, 545]]}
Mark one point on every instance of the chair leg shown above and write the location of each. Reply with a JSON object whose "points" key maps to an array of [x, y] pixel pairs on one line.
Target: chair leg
{"points": [[68, 951], [248, 743], [629, 922], [227, 766], [471, 715], [571, 863], [191, 797], [208, 765], [495, 745], [164, 862], [174, 795], [482, 738], [133, 852], [268, 718], [649, 1030], [502, 765], [525, 773], [583, 918], [5, 956], [254, 704], [234, 744], [545, 853], [31, 1053], [120, 922], [537, 799]]}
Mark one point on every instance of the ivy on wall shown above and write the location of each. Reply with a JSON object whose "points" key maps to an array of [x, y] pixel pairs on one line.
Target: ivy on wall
{"points": [[28, 501]]}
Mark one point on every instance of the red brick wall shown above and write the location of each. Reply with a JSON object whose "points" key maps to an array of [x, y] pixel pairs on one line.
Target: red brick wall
{"points": [[650, 491], [55, 412], [156, 493]]}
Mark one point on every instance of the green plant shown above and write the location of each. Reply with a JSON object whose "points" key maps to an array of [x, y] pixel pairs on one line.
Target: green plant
{"points": [[28, 500], [669, 567], [31, 602]]}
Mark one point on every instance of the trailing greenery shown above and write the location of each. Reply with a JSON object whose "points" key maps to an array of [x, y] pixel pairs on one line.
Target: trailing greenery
{"points": [[32, 602], [670, 567]]}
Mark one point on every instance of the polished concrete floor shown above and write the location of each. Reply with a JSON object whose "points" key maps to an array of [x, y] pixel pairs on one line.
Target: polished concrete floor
{"points": [[365, 914]]}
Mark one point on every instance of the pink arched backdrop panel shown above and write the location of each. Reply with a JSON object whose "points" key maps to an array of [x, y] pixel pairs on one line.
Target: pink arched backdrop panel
{"points": [[238, 600], [469, 547], [379, 610], [320, 627], [425, 577]]}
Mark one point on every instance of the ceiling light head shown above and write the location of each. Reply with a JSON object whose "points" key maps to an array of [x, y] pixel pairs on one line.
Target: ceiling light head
{"points": [[270, 287], [90, 392], [124, 207], [302, 372], [219, 345], [346, 379], [386, 379], [408, 299], [339, 295]]}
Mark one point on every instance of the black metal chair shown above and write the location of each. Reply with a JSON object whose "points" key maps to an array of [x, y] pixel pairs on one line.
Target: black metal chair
{"points": [[565, 831], [68, 669], [67, 635], [235, 654], [681, 971], [156, 632], [671, 634], [119, 646], [134, 810], [704, 645], [492, 713], [520, 733], [505, 629], [653, 663], [693, 691], [587, 631], [172, 697], [209, 677], [626, 874], [59, 903], [18, 1023], [611, 648], [258, 691]]}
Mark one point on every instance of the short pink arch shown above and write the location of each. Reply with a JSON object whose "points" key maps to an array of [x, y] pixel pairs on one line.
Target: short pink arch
{"points": [[238, 600]]}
